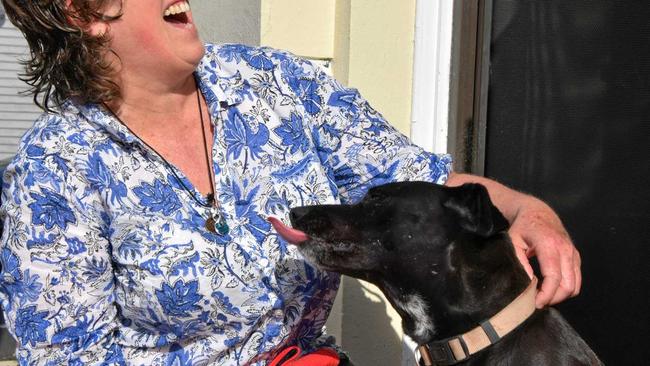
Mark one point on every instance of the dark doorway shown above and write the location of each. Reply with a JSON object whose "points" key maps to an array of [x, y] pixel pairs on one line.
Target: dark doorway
{"points": [[568, 119]]}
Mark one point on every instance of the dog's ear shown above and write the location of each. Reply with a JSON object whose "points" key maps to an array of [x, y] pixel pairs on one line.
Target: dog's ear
{"points": [[475, 210]]}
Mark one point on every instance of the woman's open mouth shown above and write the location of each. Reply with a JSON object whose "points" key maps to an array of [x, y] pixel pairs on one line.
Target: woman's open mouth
{"points": [[177, 13]]}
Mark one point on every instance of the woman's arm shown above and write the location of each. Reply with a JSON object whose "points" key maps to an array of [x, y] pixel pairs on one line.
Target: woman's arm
{"points": [[535, 231], [57, 279], [360, 150], [357, 147]]}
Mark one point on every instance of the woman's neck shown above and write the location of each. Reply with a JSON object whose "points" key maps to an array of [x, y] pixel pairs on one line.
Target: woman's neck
{"points": [[143, 103]]}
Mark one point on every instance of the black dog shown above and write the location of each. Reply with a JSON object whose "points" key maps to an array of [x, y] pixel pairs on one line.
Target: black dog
{"points": [[444, 260]]}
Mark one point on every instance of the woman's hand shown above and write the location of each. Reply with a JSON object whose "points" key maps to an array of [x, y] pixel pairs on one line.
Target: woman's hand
{"points": [[535, 230]]}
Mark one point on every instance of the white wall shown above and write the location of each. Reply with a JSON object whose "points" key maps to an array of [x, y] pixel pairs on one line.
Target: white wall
{"points": [[228, 21]]}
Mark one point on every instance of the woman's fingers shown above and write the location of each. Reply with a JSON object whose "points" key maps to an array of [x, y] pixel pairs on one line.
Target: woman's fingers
{"points": [[559, 261]]}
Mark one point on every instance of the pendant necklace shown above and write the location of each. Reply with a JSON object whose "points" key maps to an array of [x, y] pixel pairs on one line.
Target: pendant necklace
{"points": [[215, 222]]}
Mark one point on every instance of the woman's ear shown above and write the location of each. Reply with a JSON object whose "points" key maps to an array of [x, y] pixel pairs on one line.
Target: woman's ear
{"points": [[97, 28]]}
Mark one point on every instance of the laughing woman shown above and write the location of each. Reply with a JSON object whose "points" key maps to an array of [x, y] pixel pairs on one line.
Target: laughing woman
{"points": [[134, 227]]}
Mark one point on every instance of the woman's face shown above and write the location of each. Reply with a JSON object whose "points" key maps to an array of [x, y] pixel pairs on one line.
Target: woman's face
{"points": [[155, 39]]}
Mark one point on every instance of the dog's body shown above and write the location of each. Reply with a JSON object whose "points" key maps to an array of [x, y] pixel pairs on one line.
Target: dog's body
{"points": [[444, 260]]}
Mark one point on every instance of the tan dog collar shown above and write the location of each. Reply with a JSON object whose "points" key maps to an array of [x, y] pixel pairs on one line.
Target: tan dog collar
{"points": [[458, 348]]}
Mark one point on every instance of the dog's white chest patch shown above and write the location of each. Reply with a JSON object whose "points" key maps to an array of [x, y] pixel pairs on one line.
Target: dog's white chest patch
{"points": [[418, 309]]}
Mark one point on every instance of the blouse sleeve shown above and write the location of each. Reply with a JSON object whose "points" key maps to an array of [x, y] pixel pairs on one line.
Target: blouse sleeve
{"points": [[357, 145], [56, 285]]}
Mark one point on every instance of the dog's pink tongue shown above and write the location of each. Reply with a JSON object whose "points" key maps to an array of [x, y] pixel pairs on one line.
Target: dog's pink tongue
{"points": [[291, 235]]}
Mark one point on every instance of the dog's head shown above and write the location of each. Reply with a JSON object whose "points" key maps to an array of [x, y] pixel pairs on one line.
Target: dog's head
{"points": [[394, 225], [447, 246], [426, 246]]}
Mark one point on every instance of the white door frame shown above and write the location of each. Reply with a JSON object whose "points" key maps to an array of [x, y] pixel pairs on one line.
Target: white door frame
{"points": [[432, 74], [431, 88]]}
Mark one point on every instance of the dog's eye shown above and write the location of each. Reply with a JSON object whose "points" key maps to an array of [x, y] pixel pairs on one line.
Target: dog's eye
{"points": [[343, 246]]}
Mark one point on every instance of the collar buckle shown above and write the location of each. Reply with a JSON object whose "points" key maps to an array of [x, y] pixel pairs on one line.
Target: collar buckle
{"points": [[441, 353], [437, 354]]}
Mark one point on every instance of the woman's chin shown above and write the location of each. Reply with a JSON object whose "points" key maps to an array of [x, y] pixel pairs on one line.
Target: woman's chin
{"points": [[198, 51]]}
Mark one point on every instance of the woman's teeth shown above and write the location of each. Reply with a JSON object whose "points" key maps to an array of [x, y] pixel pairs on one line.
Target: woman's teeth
{"points": [[177, 8]]}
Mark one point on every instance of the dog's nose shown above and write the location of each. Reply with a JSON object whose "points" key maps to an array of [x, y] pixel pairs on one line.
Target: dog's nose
{"points": [[298, 213]]}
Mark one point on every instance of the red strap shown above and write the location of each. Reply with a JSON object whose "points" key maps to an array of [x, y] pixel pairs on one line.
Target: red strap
{"points": [[286, 355], [290, 356]]}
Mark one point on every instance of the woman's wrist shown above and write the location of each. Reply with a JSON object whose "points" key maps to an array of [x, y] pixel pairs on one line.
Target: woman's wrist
{"points": [[527, 205]]}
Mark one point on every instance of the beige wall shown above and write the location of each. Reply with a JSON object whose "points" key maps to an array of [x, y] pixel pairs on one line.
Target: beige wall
{"points": [[370, 43], [305, 28], [381, 55]]}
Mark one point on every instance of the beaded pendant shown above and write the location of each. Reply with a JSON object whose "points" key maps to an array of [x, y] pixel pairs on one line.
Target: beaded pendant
{"points": [[216, 223]]}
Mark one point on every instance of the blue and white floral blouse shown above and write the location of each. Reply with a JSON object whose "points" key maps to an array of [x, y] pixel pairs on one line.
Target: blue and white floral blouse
{"points": [[105, 259]]}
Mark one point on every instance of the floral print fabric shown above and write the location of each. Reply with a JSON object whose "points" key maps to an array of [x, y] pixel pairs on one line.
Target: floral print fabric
{"points": [[105, 258]]}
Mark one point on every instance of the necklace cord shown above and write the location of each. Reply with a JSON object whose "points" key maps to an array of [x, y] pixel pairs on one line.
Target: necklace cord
{"points": [[211, 196], [212, 202]]}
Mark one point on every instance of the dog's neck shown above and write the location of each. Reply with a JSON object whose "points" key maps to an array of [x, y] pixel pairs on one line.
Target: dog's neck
{"points": [[478, 283]]}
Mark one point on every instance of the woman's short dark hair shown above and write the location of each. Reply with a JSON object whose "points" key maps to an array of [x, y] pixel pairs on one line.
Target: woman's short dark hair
{"points": [[66, 61]]}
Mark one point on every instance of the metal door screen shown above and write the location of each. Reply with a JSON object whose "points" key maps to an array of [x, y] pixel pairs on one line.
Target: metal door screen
{"points": [[568, 119]]}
